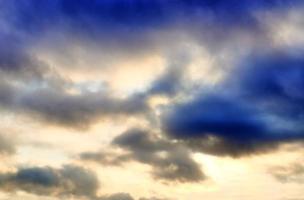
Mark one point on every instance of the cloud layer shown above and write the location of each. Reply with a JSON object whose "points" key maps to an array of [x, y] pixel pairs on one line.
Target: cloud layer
{"points": [[258, 106], [212, 78], [169, 161], [67, 181]]}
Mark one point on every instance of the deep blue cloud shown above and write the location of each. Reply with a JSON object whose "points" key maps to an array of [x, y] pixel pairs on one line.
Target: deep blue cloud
{"points": [[129, 16], [215, 115], [261, 102], [275, 77], [37, 176], [275, 84]]}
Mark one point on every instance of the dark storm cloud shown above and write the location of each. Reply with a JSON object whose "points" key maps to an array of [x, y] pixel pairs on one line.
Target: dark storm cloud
{"points": [[64, 182], [169, 161], [259, 106]]}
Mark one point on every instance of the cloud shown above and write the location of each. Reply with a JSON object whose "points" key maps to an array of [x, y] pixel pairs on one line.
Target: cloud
{"points": [[153, 198], [170, 82], [34, 87], [19, 66], [106, 21], [7, 146], [6, 93], [213, 115], [117, 196], [69, 181], [125, 196], [63, 108], [292, 173], [105, 158], [80, 110], [170, 162], [16, 62], [64, 182], [257, 107], [128, 22], [132, 13]]}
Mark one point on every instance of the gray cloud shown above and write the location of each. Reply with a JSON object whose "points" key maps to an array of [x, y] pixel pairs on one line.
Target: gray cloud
{"points": [[30, 85], [19, 66], [81, 109], [74, 110], [117, 196], [17, 62], [153, 198], [7, 146], [170, 82], [292, 173], [105, 158], [6, 93], [67, 181], [125, 196], [169, 161]]}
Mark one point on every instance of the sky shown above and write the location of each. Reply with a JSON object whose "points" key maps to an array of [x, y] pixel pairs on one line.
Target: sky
{"points": [[151, 99]]}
